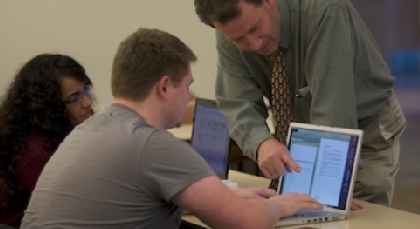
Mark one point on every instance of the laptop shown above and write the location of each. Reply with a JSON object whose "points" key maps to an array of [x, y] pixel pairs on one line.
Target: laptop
{"points": [[329, 159], [210, 136]]}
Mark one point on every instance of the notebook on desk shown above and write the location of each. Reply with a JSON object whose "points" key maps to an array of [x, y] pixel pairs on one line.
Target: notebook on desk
{"points": [[210, 136], [328, 158]]}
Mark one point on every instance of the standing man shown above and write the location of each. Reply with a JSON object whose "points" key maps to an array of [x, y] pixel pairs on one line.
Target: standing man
{"points": [[122, 169], [317, 62]]}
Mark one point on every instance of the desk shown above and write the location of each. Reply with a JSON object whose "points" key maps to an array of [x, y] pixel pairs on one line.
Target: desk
{"points": [[371, 217], [183, 132]]}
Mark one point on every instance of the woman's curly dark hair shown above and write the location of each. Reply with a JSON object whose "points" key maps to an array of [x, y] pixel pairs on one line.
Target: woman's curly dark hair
{"points": [[33, 106]]}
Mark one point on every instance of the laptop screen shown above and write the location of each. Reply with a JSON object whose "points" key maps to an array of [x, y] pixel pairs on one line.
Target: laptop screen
{"points": [[326, 159], [211, 136]]}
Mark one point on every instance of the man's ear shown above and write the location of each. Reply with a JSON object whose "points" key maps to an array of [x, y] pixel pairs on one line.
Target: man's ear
{"points": [[162, 86]]}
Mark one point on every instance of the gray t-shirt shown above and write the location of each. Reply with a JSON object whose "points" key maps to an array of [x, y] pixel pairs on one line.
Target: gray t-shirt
{"points": [[114, 171]]}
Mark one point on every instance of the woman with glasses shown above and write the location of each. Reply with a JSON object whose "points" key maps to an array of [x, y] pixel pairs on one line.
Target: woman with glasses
{"points": [[48, 97]]}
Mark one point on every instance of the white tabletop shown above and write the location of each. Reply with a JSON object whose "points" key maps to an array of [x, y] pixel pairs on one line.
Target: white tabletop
{"points": [[371, 217]]}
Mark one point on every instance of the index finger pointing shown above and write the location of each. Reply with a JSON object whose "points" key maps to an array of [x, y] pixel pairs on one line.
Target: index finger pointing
{"points": [[288, 160]]}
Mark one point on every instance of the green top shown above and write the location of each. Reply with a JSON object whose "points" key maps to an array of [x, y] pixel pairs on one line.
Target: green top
{"points": [[330, 51]]}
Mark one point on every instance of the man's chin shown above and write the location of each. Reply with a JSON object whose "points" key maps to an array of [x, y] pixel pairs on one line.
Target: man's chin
{"points": [[267, 52], [177, 125]]}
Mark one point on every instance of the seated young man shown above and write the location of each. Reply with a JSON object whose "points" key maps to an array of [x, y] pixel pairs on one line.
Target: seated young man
{"points": [[122, 169]]}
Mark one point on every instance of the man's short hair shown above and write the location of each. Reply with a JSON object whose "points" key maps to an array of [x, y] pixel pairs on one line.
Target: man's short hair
{"points": [[143, 58], [222, 11]]}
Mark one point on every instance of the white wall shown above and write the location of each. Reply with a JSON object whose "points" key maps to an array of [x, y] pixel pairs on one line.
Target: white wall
{"points": [[90, 31]]}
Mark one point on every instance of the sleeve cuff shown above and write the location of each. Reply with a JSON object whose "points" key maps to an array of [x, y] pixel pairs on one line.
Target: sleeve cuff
{"points": [[254, 143]]}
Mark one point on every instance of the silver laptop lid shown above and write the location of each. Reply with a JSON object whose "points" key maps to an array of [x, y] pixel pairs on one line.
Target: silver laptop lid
{"points": [[210, 137], [328, 158]]}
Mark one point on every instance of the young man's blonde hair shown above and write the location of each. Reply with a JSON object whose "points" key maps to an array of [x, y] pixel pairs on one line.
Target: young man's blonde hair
{"points": [[143, 58]]}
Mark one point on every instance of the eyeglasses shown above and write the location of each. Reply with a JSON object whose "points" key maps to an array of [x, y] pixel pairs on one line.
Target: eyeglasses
{"points": [[79, 97]]}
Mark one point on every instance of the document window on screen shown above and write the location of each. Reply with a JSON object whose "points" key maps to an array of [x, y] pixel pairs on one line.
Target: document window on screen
{"points": [[211, 137], [326, 161]]}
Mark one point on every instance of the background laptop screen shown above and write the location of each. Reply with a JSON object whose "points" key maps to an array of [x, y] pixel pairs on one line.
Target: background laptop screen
{"points": [[326, 159], [211, 138]]}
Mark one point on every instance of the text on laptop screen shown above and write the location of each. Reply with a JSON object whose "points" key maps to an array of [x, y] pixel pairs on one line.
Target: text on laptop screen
{"points": [[211, 137], [326, 161]]}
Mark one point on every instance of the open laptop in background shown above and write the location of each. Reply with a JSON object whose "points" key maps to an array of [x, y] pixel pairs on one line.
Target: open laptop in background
{"points": [[210, 136], [328, 158]]}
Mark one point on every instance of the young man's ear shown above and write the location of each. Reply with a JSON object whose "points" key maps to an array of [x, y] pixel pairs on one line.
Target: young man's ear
{"points": [[163, 86]]}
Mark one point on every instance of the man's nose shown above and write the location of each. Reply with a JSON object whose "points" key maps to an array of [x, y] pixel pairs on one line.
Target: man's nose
{"points": [[255, 42]]}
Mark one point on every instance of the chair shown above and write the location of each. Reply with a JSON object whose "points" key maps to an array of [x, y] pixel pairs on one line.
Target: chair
{"points": [[405, 66]]}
